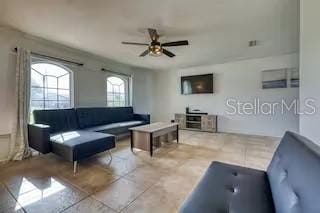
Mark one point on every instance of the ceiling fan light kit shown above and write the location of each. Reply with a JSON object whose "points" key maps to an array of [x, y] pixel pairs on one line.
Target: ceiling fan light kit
{"points": [[155, 48]]}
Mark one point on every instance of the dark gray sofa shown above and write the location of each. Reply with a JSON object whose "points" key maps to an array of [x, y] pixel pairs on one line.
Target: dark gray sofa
{"points": [[112, 120], [290, 184], [75, 134]]}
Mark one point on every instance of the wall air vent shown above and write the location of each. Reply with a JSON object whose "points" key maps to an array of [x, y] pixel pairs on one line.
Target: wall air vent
{"points": [[253, 43]]}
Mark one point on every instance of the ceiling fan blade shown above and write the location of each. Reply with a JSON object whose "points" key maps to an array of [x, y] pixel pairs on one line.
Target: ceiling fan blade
{"points": [[135, 43], [145, 53], [168, 53], [175, 43], [153, 34]]}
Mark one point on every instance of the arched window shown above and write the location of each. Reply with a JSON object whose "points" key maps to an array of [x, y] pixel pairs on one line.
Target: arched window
{"points": [[117, 92], [50, 87]]}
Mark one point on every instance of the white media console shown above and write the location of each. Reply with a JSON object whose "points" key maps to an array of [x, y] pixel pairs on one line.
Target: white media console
{"points": [[199, 122]]}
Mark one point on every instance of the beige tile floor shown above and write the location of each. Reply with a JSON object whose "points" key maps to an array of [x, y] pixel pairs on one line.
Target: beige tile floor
{"points": [[131, 182]]}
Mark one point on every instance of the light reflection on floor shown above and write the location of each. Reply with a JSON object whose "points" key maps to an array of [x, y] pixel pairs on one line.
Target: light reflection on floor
{"points": [[29, 193], [168, 177]]}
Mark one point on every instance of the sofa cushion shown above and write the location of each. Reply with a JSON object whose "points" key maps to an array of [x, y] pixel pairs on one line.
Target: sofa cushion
{"points": [[76, 145], [59, 120], [294, 174], [105, 128], [89, 117], [228, 188]]}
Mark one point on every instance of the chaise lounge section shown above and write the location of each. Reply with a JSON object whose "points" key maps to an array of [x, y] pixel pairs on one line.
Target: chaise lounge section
{"points": [[75, 134], [290, 184]]}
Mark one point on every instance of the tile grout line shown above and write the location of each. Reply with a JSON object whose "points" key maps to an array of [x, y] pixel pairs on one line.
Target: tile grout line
{"points": [[125, 175], [104, 204], [144, 190], [171, 170], [147, 189], [74, 204], [82, 190], [137, 196], [11, 194], [90, 194]]}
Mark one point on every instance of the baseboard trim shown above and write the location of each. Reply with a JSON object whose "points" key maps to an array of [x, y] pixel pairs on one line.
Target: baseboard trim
{"points": [[3, 161], [5, 135], [5, 148]]}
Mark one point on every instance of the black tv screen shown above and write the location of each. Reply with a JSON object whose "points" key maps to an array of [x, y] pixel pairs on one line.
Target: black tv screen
{"points": [[197, 84]]}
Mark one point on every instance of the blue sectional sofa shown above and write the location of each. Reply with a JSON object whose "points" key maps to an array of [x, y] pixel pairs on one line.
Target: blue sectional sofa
{"points": [[290, 184], [75, 134]]}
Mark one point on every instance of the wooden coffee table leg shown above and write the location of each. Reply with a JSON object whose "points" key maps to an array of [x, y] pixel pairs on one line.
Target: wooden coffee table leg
{"points": [[151, 144]]}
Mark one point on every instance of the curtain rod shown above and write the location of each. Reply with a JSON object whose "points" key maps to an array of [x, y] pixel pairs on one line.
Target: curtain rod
{"points": [[117, 73], [53, 58]]}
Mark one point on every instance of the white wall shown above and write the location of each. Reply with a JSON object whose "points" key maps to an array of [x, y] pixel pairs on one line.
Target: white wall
{"points": [[240, 80], [89, 80], [310, 66]]}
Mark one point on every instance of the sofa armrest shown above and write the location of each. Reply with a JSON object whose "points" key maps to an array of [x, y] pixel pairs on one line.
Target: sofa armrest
{"points": [[142, 117], [39, 137]]}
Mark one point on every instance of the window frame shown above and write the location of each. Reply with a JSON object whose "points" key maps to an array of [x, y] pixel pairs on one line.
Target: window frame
{"points": [[127, 89], [36, 60]]}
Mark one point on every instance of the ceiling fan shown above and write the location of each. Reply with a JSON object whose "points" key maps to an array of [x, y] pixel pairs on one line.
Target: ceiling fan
{"points": [[155, 48]]}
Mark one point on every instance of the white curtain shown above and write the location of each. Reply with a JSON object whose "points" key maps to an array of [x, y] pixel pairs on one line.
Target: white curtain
{"points": [[19, 132]]}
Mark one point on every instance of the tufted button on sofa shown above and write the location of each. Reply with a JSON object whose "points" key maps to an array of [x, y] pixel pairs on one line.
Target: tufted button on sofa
{"points": [[290, 184]]}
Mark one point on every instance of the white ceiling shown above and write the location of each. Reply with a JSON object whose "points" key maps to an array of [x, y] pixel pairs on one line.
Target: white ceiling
{"points": [[218, 30]]}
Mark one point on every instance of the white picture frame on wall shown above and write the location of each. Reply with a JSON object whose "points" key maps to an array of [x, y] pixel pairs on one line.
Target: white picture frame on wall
{"points": [[272, 79], [280, 78], [294, 78]]}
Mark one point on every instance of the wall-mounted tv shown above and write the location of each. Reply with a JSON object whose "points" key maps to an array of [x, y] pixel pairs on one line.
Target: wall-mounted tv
{"points": [[197, 84]]}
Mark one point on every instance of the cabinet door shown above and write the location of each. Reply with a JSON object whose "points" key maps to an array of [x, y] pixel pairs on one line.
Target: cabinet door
{"points": [[204, 122], [208, 123], [181, 119]]}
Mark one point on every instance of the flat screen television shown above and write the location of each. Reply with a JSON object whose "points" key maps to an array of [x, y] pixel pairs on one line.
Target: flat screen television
{"points": [[197, 84]]}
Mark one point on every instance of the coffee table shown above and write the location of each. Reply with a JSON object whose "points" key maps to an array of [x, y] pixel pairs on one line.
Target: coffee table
{"points": [[146, 136]]}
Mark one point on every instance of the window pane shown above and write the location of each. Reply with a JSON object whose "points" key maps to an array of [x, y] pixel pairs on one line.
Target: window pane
{"points": [[122, 88], [36, 79], [116, 91], [50, 82], [55, 91], [110, 97], [64, 82], [122, 98], [115, 80], [51, 105], [116, 97], [36, 105], [51, 94], [116, 88], [49, 69], [36, 94], [109, 87], [64, 95], [64, 104]]}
